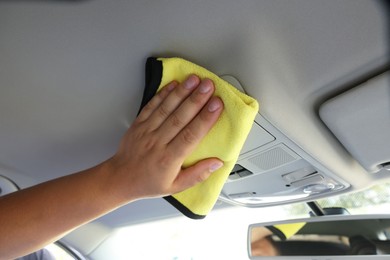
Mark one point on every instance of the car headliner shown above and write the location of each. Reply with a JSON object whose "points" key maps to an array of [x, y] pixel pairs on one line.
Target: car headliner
{"points": [[71, 74]]}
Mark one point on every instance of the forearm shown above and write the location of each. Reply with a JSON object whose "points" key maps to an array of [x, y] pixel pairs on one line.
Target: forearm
{"points": [[147, 164], [41, 214]]}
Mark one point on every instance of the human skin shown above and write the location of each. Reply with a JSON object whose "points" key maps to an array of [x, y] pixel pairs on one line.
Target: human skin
{"points": [[148, 164], [260, 245]]}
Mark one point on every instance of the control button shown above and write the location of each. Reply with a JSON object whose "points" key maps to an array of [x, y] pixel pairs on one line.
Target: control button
{"points": [[234, 176], [312, 179], [318, 188], [297, 175], [244, 173]]}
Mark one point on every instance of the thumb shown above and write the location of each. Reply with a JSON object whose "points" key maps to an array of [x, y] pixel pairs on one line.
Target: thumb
{"points": [[196, 173]]}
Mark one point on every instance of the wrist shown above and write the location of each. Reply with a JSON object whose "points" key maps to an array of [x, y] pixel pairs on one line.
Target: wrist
{"points": [[118, 184]]}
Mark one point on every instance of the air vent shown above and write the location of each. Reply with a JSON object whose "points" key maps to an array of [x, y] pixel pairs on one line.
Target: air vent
{"points": [[275, 157]]}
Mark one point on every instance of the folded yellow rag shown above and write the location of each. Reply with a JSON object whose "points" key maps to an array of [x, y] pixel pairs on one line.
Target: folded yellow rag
{"points": [[285, 231], [224, 141]]}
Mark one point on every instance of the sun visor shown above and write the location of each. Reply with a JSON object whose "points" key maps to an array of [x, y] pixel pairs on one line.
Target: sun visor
{"points": [[360, 120]]}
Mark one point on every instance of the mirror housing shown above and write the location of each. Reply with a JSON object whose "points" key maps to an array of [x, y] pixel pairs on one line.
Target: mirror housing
{"points": [[325, 237]]}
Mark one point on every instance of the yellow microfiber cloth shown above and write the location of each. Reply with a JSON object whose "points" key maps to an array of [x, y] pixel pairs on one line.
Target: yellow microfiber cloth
{"points": [[225, 139], [285, 231]]}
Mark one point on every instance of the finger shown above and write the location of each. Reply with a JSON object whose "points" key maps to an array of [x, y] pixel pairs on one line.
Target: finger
{"points": [[195, 174], [187, 111], [154, 103], [190, 136], [173, 101]]}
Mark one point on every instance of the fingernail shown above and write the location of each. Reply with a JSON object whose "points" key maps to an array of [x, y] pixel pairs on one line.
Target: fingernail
{"points": [[214, 105], [191, 82], [172, 86], [205, 86], [215, 166]]}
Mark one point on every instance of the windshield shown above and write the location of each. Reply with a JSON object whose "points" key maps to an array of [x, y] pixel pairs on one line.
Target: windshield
{"points": [[374, 200], [223, 233]]}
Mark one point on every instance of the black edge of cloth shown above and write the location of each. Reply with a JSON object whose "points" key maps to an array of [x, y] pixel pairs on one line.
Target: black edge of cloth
{"points": [[277, 232], [153, 76]]}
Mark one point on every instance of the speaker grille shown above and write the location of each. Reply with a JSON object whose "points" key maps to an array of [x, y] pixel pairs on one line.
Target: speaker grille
{"points": [[272, 158]]}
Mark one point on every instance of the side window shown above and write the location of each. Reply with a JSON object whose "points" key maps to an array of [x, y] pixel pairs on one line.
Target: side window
{"points": [[60, 252], [54, 251]]}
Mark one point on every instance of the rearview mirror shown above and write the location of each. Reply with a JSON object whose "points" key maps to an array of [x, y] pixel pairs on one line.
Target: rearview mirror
{"points": [[321, 236]]}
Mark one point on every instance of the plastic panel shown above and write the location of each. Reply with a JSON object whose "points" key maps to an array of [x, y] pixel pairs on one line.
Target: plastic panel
{"points": [[360, 119]]}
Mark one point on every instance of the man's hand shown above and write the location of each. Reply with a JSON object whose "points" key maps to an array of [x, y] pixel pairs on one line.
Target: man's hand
{"points": [[167, 130]]}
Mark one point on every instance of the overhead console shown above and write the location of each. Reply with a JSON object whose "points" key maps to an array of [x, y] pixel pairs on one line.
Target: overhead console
{"points": [[272, 170]]}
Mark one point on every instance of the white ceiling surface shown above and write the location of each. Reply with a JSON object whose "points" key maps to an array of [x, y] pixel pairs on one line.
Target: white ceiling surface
{"points": [[71, 73]]}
